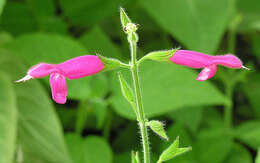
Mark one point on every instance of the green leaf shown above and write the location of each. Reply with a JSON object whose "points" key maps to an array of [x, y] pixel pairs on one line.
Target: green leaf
{"points": [[53, 24], [257, 160], [8, 119], [252, 90], [124, 18], [158, 128], [239, 154], [249, 10], [210, 143], [198, 24], [135, 157], [17, 14], [44, 13], [42, 8], [52, 48], [94, 10], [191, 117], [174, 131], [173, 151], [84, 150], [2, 4], [127, 91], [5, 37], [166, 87], [96, 41], [39, 131], [99, 86], [249, 133]]}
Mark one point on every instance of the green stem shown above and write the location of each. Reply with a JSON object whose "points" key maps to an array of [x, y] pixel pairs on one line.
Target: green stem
{"points": [[229, 83], [139, 104], [228, 107]]}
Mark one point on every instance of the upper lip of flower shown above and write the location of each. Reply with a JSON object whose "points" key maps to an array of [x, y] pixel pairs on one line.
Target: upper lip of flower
{"points": [[208, 63]]}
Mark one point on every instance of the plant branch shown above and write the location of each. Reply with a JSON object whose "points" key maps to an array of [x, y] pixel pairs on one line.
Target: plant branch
{"points": [[139, 105]]}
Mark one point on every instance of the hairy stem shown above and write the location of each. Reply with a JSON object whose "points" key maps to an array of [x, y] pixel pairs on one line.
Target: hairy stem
{"points": [[139, 105]]}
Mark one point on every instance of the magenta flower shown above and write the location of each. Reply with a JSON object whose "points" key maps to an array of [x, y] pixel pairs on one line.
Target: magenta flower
{"points": [[208, 63], [72, 69]]}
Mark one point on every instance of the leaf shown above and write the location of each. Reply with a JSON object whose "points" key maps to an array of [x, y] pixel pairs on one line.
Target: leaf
{"points": [[5, 37], [135, 157], [52, 49], [96, 41], [44, 13], [252, 90], [257, 160], [94, 10], [158, 128], [17, 14], [210, 143], [84, 150], [191, 117], [172, 151], [41, 8], [166, 87], [197, 24], [249, 10], [39, 131], [8, 119], [2, 4], [124, 18], [239, 154], [99, 86], [249, 133], [127, 91]]}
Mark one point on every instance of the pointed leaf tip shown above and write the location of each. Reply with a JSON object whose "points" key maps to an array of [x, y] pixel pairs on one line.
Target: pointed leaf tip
{"points": [[158, 128], [124, 18], [173, 150]]}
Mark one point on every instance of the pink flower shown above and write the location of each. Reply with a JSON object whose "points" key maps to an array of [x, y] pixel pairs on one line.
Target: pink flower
{"points": [[72, 69], [208, 63]]}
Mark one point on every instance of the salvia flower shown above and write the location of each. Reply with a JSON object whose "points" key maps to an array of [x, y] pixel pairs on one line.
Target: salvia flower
{"points": [[75, 68], [206, 62]]}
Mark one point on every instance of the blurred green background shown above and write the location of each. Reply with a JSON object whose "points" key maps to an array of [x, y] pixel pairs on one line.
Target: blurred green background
{"points": [[219, 118]]}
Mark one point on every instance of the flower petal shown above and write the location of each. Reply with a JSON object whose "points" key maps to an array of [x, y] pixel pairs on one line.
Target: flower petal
{"points": [[58, 88], [191, 59], [81, 66], [207, 73], [41, 70], [228, 60]]}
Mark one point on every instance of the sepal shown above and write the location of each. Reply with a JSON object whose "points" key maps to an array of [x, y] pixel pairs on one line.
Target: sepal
{"points": [[110, 63], [162, 55]]}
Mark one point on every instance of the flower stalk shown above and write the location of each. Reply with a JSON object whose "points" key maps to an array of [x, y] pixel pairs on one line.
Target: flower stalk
{"points": [[139, 105]]}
